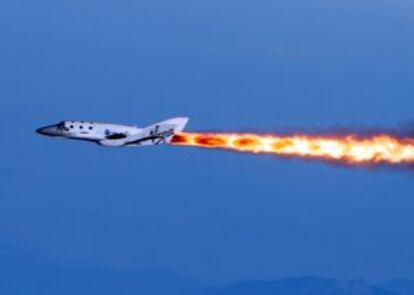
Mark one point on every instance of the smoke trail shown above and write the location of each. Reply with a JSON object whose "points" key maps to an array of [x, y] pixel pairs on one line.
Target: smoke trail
{"points": [[381, 148]]}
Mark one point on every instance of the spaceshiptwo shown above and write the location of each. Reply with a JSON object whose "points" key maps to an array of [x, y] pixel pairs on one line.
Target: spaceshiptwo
{"points": [[114, 135]]}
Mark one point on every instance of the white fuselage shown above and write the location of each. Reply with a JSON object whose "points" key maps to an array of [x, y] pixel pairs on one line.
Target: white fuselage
{"points": [[97, 131], [114, 134]]}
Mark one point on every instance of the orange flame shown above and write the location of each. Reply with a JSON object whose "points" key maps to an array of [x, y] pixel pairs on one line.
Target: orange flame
{"points": [[351, 149]]}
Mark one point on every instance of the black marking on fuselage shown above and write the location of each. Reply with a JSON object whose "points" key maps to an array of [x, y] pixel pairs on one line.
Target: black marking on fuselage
{"points": [[115, 136], [153, 138]]}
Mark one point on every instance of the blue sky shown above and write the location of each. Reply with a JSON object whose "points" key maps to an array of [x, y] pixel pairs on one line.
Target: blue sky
{"points": [[229, 65]]}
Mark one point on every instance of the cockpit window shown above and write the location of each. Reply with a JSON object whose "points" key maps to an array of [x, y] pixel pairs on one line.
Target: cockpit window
{"points": [[62, 126]]}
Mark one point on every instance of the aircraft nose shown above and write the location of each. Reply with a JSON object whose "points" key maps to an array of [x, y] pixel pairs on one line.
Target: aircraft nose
{"points": [[40, 131], [48, 131]]}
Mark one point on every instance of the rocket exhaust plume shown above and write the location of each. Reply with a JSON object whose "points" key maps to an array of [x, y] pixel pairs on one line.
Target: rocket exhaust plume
{"points": [[381, 148]]}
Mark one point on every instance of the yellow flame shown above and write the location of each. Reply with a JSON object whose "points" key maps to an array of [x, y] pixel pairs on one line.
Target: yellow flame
{"points": [[381, 148]]}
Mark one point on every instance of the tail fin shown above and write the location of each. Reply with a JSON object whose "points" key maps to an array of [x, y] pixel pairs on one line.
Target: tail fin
{"points": [[177, 123], [166, 130], [161, 132]]}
